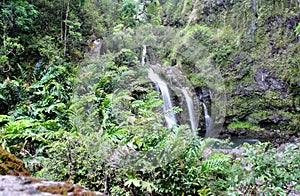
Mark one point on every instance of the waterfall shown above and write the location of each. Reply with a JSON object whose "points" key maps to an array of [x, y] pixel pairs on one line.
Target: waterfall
{"points": [[190, 105], [207, 121], [163, 87], [144, 52]]}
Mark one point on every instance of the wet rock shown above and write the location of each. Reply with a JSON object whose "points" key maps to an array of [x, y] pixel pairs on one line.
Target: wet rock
{"points": [[276, 137], [23, 186], [94, 46], [203, 94], [232, 132], [266, 80], [275, 118]]}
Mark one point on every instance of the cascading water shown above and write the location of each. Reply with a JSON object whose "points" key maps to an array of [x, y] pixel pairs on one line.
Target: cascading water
{"points": [[163, 87], [207, 121], [144, 52], [190, 105]]}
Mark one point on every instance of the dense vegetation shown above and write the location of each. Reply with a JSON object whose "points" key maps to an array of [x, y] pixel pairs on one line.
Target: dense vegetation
{"points": [[73, 114]]}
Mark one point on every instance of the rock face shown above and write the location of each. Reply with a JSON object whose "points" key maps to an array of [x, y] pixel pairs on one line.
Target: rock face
{"points": [[23, 186], [263, 75], [16, 185], [255, 46]]}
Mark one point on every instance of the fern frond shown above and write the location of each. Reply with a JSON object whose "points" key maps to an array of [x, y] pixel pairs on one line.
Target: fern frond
{"points": [[216, 162]]}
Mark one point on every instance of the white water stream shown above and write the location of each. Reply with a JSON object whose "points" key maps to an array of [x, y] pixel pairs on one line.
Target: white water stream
{"points": [[163, 87], [207, 121], [144, 52], [190, 105]]}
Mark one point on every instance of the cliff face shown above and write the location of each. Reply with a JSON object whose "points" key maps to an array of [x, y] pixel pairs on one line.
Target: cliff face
{"points": [[264, 73], [257, 50]]}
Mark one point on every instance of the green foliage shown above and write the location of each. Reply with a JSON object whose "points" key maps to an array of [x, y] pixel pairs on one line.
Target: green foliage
{"points": [[17, 16], [152, 12], [4, 119], [297, 30], [80, 160], [243, 125], [266, 170], [101, 16], [177, 12], [10, 95], [92, 155], [193, 172], [11, 48], [106, 130], [128, 13], [47, 48], [38, 114], [25, 136]]}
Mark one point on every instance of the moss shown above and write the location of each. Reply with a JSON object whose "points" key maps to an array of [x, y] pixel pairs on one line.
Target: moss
{"points": [[291, 119], [273, 100], [261, 115], [66, 189], [33, 179], [11, 165], [57, 189], [243, 125], [244, 105]]}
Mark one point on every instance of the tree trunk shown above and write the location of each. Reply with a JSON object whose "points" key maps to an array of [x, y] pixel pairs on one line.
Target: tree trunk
{"points": [[66, 27], [62, 21]]}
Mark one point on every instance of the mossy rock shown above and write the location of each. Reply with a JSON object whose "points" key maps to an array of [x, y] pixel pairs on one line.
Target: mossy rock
{"points": [[11, 165]]}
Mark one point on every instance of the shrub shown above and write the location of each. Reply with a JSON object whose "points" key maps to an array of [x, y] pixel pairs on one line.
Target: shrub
{"points": [[264, 169]]}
